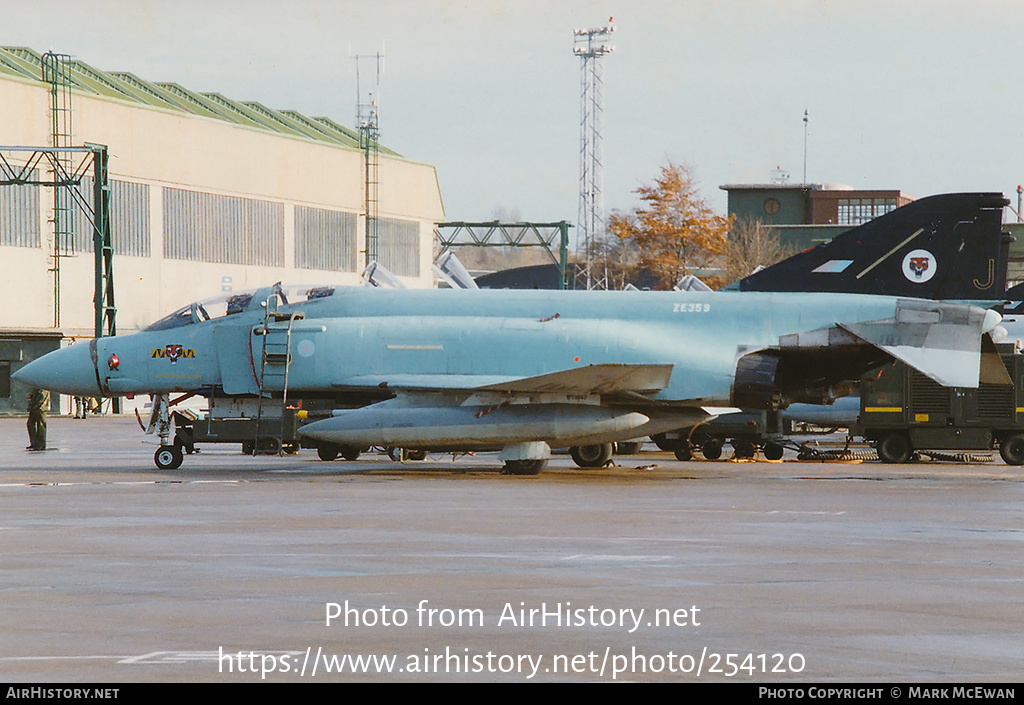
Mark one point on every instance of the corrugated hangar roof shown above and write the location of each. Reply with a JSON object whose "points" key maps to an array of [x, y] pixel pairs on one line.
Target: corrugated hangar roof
{"points": [[26, 63]]}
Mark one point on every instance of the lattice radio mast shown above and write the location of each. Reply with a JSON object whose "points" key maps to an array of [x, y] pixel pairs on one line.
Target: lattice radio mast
{"points": [[367, 115], [590, 45], [57, 72]]}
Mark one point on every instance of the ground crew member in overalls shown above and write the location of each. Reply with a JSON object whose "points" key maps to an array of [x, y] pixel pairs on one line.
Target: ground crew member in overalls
{"points": [[38, 402]]}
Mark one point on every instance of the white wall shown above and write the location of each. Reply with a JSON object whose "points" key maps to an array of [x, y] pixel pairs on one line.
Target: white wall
{"points": [[165, 148]]}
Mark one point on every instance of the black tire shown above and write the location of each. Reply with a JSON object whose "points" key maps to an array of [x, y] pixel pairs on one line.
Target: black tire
{"points": [[773, 451], [894, 447], [415, 455], [1012, 449], [350, 453], [628, 447], [742, 448], [247, 448], [524, 467], [592, 456], [327, 452], [663, 442], [397, 454], [712, 448], [683, 452], [269, 445], [168, 457]]}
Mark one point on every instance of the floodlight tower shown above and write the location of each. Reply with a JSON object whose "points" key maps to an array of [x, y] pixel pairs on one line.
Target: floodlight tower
{"points": [[590, 45]]}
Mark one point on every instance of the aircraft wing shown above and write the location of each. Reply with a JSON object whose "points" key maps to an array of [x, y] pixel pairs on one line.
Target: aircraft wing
{"points": [[592, 379], [456, 411]]}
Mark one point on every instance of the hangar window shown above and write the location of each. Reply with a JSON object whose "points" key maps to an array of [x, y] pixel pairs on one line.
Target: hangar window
{"points": [[398, 246], [325, 239], [855, 211], [208, 227], [129, 218], [19, 214]]}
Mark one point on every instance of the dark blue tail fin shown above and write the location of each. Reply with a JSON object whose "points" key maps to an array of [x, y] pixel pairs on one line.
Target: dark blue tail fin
{"points": [[949, 246]]}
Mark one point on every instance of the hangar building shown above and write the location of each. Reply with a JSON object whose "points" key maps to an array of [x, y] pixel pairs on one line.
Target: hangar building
{"points": [[208, 194]]}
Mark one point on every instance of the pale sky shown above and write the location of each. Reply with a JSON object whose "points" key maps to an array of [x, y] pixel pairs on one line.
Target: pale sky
{"points": [[919, 95]]}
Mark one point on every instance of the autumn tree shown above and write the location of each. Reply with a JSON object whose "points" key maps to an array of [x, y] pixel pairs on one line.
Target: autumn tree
{"points": [[752, 244], [675, 232]]}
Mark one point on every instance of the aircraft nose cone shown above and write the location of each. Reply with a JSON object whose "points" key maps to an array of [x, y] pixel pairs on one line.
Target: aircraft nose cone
{"points": [[68, 371]]}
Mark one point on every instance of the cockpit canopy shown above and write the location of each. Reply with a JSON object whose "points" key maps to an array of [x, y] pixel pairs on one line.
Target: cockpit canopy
{"points": [[230, 303]]}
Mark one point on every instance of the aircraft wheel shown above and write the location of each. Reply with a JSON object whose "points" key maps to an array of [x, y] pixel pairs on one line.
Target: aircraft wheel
{"points": [[683, 452], [712, 448], [773, 451], [268, 444], [524, 467], [628, 447], [247, 448], [397, 454], [894, 447], [168, 457], [327, 452], [415, 455], [662, 441], [1012, 449], [592, 456], [350, 453], [743, 448]]}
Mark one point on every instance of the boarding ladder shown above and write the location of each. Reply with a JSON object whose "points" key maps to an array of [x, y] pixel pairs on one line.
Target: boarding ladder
{"points": [[275, 364]]}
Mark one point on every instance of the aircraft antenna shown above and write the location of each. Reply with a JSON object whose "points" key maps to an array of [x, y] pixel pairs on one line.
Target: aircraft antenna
{"points": [[590, 45], [806, 117]]}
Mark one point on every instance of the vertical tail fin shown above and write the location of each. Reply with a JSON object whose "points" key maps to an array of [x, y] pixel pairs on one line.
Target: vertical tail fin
{"points": [[949, 246]]}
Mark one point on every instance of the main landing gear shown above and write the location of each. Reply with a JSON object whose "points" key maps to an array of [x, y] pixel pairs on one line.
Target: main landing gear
{"points": [[592, 456]]}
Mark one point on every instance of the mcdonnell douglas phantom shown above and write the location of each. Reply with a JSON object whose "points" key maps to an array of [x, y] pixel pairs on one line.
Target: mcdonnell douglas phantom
{"points": [[519, 371]]}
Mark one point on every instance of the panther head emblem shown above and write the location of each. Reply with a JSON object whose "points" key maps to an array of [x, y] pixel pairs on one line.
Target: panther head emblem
{"points": [[918, 265]]}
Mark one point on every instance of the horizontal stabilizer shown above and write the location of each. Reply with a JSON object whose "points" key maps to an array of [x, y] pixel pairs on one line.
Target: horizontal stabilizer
{"points": [[943, 341]]}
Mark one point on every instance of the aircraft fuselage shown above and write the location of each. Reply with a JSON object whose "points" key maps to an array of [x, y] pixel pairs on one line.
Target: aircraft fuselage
{"points": [[361, 339]]}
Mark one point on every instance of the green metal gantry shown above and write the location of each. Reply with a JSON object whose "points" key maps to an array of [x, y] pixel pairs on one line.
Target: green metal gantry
{"points": [[68, 166], [548, 236]]}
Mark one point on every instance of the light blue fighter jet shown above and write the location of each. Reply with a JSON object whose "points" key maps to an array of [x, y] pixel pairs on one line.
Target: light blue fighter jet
{"points": [[520, 371]]}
